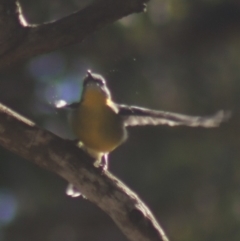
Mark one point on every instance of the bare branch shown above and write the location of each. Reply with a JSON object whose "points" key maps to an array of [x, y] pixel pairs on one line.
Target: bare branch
{"points": [[30, 40], [23, 137], [10, 26], [19, 41]]}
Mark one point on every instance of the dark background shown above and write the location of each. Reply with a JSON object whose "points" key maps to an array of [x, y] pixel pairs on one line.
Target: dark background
{"points": [[181, 56]]}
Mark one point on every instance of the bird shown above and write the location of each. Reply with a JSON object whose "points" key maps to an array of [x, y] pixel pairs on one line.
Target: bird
{"points": [[100, 124]]}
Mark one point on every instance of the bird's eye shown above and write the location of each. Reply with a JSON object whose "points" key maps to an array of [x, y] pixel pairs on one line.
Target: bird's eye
{"points": [[99, 81]]}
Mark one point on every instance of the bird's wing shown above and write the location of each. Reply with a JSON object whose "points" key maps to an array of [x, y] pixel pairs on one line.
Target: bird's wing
{"points": [[134, 115]]}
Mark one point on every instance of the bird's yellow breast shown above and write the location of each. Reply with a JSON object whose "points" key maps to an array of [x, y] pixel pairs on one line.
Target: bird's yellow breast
{"points": [[96, 124]]}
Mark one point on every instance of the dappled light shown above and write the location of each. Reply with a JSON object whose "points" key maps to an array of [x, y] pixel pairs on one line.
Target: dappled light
{"points": [[178, 56]]}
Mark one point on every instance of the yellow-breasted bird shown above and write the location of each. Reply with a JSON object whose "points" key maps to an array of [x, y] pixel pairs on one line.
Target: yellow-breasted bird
{"points": [[100, 124]]}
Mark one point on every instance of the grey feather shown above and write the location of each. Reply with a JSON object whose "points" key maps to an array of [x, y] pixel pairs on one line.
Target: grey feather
{"points": [[141, 116]]}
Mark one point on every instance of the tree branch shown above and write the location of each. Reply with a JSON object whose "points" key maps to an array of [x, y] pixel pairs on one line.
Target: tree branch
{"points": [[10, 26], [29, 40], [23, 137], [19, 41]]}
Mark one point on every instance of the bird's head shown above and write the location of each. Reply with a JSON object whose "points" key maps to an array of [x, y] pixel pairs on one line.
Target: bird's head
{"points": [[97, 83]]}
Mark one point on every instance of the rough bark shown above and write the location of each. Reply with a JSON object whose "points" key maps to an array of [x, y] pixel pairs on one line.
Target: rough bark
{"points": [[26, 139], [20, 40]]}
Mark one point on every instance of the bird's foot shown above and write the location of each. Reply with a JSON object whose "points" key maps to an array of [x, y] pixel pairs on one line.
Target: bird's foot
{"points": [[102, 164]]}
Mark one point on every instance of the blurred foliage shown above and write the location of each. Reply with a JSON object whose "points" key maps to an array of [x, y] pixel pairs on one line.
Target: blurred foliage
{"points": [[181, 56]]}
